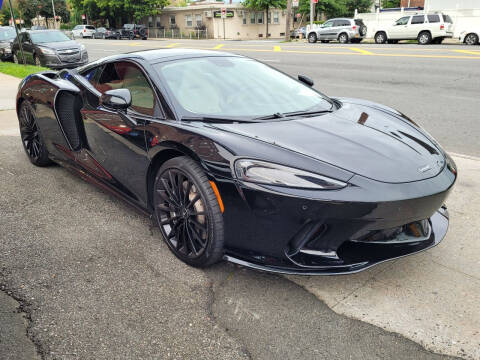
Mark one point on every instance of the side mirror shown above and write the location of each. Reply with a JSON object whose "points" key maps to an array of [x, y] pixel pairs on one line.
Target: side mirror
{"points": [[118, 99], [306, 80]]}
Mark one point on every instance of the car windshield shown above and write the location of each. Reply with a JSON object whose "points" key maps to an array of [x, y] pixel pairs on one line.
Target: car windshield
{"points": [[48, 37], [128, 26], [236, 87], [7, 34]]}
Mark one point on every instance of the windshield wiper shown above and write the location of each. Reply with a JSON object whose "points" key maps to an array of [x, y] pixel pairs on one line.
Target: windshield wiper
{"points": [[277, 115], [311, 112], [213, 119]]}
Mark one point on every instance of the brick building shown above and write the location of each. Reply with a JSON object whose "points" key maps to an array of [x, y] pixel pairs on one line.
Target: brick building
{"points": [[412, 3]]}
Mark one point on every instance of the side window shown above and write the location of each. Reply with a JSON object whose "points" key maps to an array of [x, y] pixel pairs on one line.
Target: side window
{"points": [[403, 20], [447, 19], [433, 18], [418, 19], [92, 74], [328, 24], [124, 74]]}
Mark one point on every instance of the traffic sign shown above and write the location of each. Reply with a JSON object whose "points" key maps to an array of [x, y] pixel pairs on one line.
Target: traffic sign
{"points": [[315, 1], [295, 3], [224, 13]]}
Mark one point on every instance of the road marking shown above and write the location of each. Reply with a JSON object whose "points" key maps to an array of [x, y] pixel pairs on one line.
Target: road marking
{"points": [[277, 48], [172, 45], [219, 46], [473, 52], [361, 51], [134, 44]]}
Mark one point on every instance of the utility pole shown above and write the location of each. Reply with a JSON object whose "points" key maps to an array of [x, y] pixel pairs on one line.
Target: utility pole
{"points": [[54, 16], [312, 4], [287, 22], [16, 30]]}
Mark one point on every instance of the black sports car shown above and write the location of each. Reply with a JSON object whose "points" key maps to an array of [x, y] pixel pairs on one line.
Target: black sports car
{"points": [[239, 161]]}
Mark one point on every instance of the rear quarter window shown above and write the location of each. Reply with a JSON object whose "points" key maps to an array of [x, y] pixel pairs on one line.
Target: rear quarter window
{"points": [[90, 27], [447, 19], [433, 18], [418, 19]]}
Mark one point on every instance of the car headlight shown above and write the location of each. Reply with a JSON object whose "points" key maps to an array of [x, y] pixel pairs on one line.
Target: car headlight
{"points": [[263, 172], [451, 164], [82, 47], [46, 51]]}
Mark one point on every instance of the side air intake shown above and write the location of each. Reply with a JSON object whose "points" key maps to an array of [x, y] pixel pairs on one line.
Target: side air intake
{"points": [[68, 108]]}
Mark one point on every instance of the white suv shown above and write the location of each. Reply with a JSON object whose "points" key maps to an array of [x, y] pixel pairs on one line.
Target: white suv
{"points": [[426, 29], [82, 31]]}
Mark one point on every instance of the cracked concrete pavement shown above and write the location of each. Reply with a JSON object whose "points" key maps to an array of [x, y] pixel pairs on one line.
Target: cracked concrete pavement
{"points": [[98, 283]]}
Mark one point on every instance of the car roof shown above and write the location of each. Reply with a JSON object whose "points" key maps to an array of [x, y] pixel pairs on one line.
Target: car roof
{"points": [[154, 56]]}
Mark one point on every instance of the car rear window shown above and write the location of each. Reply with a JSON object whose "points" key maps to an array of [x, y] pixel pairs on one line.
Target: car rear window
{"points": [[359, 22], [447, 19], [433, 18], [418, 19], [90, 27]]}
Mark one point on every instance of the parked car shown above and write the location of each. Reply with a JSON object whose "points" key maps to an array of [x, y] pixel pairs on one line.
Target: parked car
{"points": [[275, 176], [297, 32], [470, 37], [7, 35], [50, 48], [343, 30], [83, 31], [104, 33], [132, 31], [426, 29]]}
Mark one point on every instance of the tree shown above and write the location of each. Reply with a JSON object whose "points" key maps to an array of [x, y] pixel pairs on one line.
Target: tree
{"points": [[32, 8], [330, 8], [391, 3], [264, 5], [361, 5]]}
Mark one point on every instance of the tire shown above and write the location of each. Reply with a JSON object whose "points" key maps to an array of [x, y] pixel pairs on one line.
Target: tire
{"points": [[343, 38], [380, 37], [144, 38], [312, 38], [424, 38], [142, 32], [471, 39], [36, 60], [363, 30], [188, 215], [32, 139], [132, 36]]}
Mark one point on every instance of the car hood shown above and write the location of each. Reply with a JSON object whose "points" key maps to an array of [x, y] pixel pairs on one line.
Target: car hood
{"points": [[71, 44], [362, 137]]}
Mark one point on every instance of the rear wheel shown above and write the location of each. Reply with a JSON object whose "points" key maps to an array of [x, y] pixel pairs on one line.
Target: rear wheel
{"points": [[424, 38], [31, 137], [380, 37], [312, 38], [471, 39], [188, 212], [343, 38]]}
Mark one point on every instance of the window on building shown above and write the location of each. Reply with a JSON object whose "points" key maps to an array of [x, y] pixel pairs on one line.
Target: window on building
{"points": [[159, 23], [150, 21], [252, 18], [172, 20], [276, 17], [188, 21], [418, 19], [260, 18], [244, 19], [198, 19]]}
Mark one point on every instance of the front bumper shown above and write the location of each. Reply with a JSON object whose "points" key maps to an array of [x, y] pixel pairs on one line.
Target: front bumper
{"points": [[55, 62], [332, 232]]}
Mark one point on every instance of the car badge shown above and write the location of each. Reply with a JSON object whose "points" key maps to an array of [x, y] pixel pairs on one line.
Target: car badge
{"points": [[424, 168]]}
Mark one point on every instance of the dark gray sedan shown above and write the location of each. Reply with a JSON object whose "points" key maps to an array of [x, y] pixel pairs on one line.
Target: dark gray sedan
{"points": [[7, 35], [50, 48]]}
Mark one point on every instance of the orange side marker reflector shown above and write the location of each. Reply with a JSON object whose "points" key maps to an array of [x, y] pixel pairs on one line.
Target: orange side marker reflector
{"points": [[217, 194]]}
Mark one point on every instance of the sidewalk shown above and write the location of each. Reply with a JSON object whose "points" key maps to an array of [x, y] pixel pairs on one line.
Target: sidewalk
{"points": [[8, 90]]}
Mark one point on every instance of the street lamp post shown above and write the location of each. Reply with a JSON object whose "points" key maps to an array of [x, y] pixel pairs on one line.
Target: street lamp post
{"points": [[54, 16]]}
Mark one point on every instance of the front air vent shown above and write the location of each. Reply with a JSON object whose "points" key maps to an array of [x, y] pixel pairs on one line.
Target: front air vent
{"points": [[68, 108]]}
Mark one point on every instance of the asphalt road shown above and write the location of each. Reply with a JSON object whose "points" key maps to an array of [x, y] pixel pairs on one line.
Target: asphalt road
{"points": [[437, 86]]}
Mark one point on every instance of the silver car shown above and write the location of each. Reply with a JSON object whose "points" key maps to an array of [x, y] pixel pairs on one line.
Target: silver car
{"points": [[343, 30]]}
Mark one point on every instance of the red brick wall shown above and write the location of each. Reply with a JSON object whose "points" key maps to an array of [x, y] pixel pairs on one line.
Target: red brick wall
{"points": [[413, 3]]}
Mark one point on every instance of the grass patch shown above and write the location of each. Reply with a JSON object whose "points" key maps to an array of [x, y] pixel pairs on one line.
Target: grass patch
{"points": [[18, 70]]}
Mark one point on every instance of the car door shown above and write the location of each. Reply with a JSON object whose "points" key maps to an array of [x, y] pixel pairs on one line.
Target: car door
{"points": [[27, 46], [399, 29], [415, 25], [338, 27], [325, 31], [116, 140]]}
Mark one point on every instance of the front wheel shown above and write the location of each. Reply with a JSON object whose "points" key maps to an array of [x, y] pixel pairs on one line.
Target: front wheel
{"points": [[31, 137], [471, 39], [312, 38], [188, 212]]}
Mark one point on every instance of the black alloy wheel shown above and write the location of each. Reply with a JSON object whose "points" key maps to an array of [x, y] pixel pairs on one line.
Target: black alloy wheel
{"points": [[188, 212], [312, 38], [31, 137]]}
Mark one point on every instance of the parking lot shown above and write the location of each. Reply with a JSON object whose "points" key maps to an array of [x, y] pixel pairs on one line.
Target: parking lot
{"points": [[95, 280]]}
